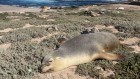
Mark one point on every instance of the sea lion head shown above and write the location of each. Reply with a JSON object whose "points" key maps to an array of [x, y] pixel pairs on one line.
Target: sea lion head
{"points": [[49, 63]]}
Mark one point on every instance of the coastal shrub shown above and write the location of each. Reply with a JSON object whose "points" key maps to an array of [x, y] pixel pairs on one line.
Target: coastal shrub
{"points": [[24, 34], [3, 17], [21, 60], [12, 24], [127, 68]]}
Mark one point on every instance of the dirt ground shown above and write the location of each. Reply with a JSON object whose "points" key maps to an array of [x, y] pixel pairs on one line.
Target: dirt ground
{"points": [[28, 36]]}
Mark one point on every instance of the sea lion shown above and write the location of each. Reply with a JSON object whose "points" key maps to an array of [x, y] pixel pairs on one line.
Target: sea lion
{"points": [[81, 49]]}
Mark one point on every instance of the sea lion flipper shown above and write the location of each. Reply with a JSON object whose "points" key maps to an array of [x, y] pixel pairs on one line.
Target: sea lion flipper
{"points": [[111, 56]]}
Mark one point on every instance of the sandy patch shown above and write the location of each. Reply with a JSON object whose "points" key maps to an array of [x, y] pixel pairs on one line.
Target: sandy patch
{"points": [[51, 20], [10, 29], [45, 26], [27, 26], [12, 17], [110, 28], [104, 73], [44, 16], [86, 8], [38, 40], [110, 7], [136, 48], [100, 26], [1, 37], [7, 30], [115, 62], [130, 41], [68, 73], [125, 7], [7, 8], [5, 46]]}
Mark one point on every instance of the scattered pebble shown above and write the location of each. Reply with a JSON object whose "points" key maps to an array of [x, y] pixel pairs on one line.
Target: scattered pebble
{"points": [[93, 14], [120, 8]]}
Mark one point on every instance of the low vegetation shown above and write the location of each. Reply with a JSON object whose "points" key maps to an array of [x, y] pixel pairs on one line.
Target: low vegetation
{"points": [[23, 58]]}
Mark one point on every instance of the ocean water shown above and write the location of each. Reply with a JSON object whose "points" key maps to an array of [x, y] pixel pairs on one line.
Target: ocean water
{"points": [[56, 2]]}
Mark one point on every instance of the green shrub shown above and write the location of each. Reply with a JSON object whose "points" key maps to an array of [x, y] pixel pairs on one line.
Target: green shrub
{"points": [[127, 68], [24, 34], [21, 60], [3, 17]]}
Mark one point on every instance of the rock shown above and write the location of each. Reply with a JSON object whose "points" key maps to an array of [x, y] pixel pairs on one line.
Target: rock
{"points": [[93, 14], [90, 30], [45, 8], [103, 11], [100, 26], [120, 8]]}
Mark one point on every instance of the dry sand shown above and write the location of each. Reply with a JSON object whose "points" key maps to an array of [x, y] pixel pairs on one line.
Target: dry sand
{"points": [[5, 46], [68, 73], [7, 8]]}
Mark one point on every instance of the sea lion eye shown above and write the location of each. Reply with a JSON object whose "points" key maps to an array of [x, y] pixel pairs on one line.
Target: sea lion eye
{"points": [[50, 60]]}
